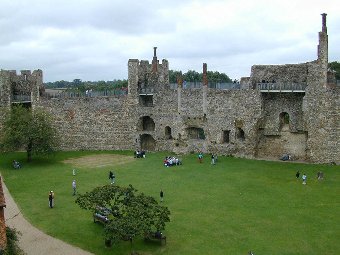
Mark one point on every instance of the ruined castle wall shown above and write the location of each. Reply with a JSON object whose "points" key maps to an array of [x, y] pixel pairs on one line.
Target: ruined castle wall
{"points": [[4, 96], [99, 123], [227, 110], [192, 102], [290, 73], [322, 117], [274, 146], [276, 137], [232, 110], [276, 103]]}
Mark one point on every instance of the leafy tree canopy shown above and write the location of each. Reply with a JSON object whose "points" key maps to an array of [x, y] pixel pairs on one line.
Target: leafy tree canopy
{"points": [[335, 66], [193, 76], [132, 214], [29, 130], [12, 242], [78, 84]]}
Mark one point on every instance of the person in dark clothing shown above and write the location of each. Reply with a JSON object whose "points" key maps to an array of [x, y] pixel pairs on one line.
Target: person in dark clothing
{"points": [[297, 175], [112, 177], [161, 194], [50, 199]]}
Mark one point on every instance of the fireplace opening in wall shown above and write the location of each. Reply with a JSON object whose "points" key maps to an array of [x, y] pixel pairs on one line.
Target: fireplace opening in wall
{"points": [[146, 100]]}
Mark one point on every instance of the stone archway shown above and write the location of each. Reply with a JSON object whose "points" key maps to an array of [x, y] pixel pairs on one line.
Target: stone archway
{"points": [[284, 121], [147, 142]]}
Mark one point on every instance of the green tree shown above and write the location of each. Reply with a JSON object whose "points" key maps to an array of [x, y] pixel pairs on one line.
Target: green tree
{"points": [[216, 77], [335, 66], [132, 214], [192, 76], [12, 242], [173, 75], [29, 130]]}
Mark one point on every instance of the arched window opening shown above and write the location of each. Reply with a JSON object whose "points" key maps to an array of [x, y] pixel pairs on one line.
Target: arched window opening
{"points": [[284, 120]]}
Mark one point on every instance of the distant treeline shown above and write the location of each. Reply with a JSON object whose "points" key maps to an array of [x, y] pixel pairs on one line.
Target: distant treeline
{"points": [[189, 76], [79, 85]]}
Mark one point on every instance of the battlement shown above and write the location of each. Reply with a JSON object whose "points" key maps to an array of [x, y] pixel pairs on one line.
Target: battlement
{"points": [[24, 87]]}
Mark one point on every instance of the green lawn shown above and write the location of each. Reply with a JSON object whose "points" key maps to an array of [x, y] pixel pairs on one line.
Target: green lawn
{"points": [[232, 207]]}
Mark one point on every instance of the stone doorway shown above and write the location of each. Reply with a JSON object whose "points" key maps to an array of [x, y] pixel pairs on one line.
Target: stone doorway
{"points": [[147, 143]]}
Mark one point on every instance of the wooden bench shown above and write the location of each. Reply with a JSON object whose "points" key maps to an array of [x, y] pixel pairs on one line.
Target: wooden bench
{"points": [[155, 236], [101, 215]]}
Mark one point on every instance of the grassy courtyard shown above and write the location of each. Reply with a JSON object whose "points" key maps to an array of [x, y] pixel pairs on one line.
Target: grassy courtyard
{"points": [[232, 207]]}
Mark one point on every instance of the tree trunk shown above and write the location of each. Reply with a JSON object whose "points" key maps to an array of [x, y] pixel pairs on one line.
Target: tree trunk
{"points": [[29, 152]]}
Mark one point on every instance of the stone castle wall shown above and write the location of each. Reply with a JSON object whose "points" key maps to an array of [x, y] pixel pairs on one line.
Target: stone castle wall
{"points": [[246, 122], [322, 118], [91, 123]]}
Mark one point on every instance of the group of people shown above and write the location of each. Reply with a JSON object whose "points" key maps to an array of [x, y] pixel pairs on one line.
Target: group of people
{"points": [[139, 154], [88, 93], [172, 161], [319, 176]]}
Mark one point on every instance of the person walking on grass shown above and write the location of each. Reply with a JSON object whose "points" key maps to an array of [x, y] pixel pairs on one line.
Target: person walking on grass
{"points": [[51, 199], [213, 159], [200, 157], [74, 187], [304, 179], [297, 175], [112, 177], [161, 194]]}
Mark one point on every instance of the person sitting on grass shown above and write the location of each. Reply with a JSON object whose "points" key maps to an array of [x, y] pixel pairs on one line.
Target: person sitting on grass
{"points": [[16, 164]]}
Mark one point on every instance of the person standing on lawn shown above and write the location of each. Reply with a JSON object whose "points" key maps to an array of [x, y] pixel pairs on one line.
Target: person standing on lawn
{"points": [[112, 177], [161, 194], [51, 199], [74, 187]]}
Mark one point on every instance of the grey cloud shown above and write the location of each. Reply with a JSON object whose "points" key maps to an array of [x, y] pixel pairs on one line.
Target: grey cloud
{"points": [[93, 39]]}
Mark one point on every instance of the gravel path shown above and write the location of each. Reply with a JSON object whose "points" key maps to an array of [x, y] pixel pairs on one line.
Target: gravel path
{"points": [[33, 241]]}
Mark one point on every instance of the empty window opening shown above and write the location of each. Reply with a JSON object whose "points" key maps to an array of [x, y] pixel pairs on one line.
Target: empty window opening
{"points": [[146, 100], [240, 134], [284, 119], [226, 136], [146, 124], [195, 133], [168, 133]]}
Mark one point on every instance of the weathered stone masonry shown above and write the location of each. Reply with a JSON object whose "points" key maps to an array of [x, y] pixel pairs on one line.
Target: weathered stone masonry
{"points": [[291, 108]]}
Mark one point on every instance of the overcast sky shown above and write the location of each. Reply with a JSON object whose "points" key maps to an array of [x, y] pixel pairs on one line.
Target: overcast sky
{"points": [[94, 39]]}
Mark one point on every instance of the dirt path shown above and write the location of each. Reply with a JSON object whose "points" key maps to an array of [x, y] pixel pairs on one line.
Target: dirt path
{"points": [[100, 160], [33, 241]]}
